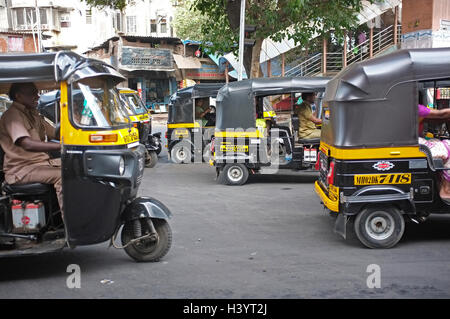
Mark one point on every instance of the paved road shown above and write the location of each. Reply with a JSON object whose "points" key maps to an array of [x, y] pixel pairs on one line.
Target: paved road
{"points": [[270, 238]]}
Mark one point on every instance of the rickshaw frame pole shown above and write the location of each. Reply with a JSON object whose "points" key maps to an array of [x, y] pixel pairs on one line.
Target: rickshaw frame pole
{"points": [[241, 41]]}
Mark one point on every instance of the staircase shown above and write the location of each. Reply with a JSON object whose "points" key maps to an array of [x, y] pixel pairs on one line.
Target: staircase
{"points": [[335, 61]]}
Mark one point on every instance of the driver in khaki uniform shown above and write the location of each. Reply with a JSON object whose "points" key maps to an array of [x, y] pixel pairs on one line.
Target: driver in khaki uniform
{"points": [[23, 138], [308, 121]]}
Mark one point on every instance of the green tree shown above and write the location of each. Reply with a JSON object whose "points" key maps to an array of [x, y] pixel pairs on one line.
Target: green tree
{"points": [[299, 20], [187, 21], [115, 4]]}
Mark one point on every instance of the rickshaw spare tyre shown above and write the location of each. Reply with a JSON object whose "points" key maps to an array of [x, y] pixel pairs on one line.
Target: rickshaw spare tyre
{"points": [[233, 174], [147, 250], [151, 158], [181, 153], [379, 226]]}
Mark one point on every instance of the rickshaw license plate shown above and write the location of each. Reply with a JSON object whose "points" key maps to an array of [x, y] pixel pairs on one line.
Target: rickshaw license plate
{"points": [[234, 148], [309, 154], [379, 179], [182, 133]]}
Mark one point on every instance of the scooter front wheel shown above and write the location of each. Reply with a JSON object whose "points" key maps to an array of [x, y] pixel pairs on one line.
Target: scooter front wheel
{"points": [[149, 249]]}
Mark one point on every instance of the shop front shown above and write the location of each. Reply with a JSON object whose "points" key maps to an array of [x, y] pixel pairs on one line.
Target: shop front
{"points": [[151, 72]]}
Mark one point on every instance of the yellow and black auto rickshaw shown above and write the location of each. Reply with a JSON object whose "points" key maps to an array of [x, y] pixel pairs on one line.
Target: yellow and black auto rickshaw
{"points": [[372, 167], [102, 167], [247, 140], [140, 117], [188, 135]]}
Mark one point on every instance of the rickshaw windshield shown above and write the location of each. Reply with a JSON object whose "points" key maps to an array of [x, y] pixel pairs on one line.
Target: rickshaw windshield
{"points": [[97, 105], [126, 105], [135, 102]]}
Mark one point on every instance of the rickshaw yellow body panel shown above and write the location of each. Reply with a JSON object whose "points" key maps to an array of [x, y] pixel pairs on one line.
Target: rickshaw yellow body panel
{"points": [[371, 153], [75, 136], [270, 114], [127, 91], [140, 118], [224, 134], [332, 205], [183, 125]]}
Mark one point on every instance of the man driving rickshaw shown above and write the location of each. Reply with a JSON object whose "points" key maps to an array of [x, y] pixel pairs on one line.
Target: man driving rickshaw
{"points": [[101, 169], [372, 166], [190, 122], [248, 139]]}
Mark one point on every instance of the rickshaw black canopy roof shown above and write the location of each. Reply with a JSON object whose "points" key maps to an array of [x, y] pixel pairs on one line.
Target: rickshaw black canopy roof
{"points": [[235, 101], [374, 78], [181, 106], [374, 103], [47, 69]]}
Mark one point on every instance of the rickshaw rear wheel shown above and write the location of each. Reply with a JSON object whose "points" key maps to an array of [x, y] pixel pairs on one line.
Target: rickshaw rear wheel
{"points": [[147, 250], [151, 158], [181, 153], [233, 174], [379, 226]]}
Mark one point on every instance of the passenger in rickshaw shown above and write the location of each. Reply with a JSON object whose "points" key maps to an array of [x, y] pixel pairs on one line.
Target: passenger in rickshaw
{"points": [[439, 148], [201, 112], [24, 139], [308, 121]]}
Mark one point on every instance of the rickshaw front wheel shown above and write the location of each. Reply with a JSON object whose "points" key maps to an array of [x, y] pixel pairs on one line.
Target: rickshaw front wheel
{"points": [[151, 249], [379, 226], [151, 158]]}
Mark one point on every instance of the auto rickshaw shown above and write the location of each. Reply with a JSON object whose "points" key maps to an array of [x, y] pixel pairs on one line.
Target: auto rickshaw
{"points": [[102, 167], [372, 167], [142, 118], [137, 115], [188, 137], [243, 146]]}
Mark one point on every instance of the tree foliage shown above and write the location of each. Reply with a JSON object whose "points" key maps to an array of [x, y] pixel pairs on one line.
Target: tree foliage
{"points": [[115, 4], [299, 20], [187, 21]]}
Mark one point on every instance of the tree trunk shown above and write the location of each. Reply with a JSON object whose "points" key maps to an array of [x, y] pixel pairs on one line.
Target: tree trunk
{"points": [[254, 55]]}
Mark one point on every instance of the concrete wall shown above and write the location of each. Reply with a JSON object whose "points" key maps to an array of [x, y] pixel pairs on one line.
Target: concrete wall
{"points": [[28, 44], [422, 23]]}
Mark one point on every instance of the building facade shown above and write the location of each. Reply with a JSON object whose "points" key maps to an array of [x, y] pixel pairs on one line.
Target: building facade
{"points": [[426, 24]]}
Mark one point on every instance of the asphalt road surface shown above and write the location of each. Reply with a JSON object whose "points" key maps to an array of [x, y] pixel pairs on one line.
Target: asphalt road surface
{"points": [[270, 238]]}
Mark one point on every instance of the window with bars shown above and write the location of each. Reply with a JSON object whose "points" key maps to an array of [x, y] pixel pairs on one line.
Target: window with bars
{"points": [[153, 26], [163, 26], [117, 21], [89, 16], [131, 24], [25, 18]]}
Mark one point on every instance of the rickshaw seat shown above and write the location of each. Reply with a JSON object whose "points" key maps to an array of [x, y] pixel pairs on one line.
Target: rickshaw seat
{"points": [[21, 189], [309, 141], [27, 189]]}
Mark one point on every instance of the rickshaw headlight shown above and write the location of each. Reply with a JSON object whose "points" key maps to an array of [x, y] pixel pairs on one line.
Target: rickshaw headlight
{"points": [[121, 166]]}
